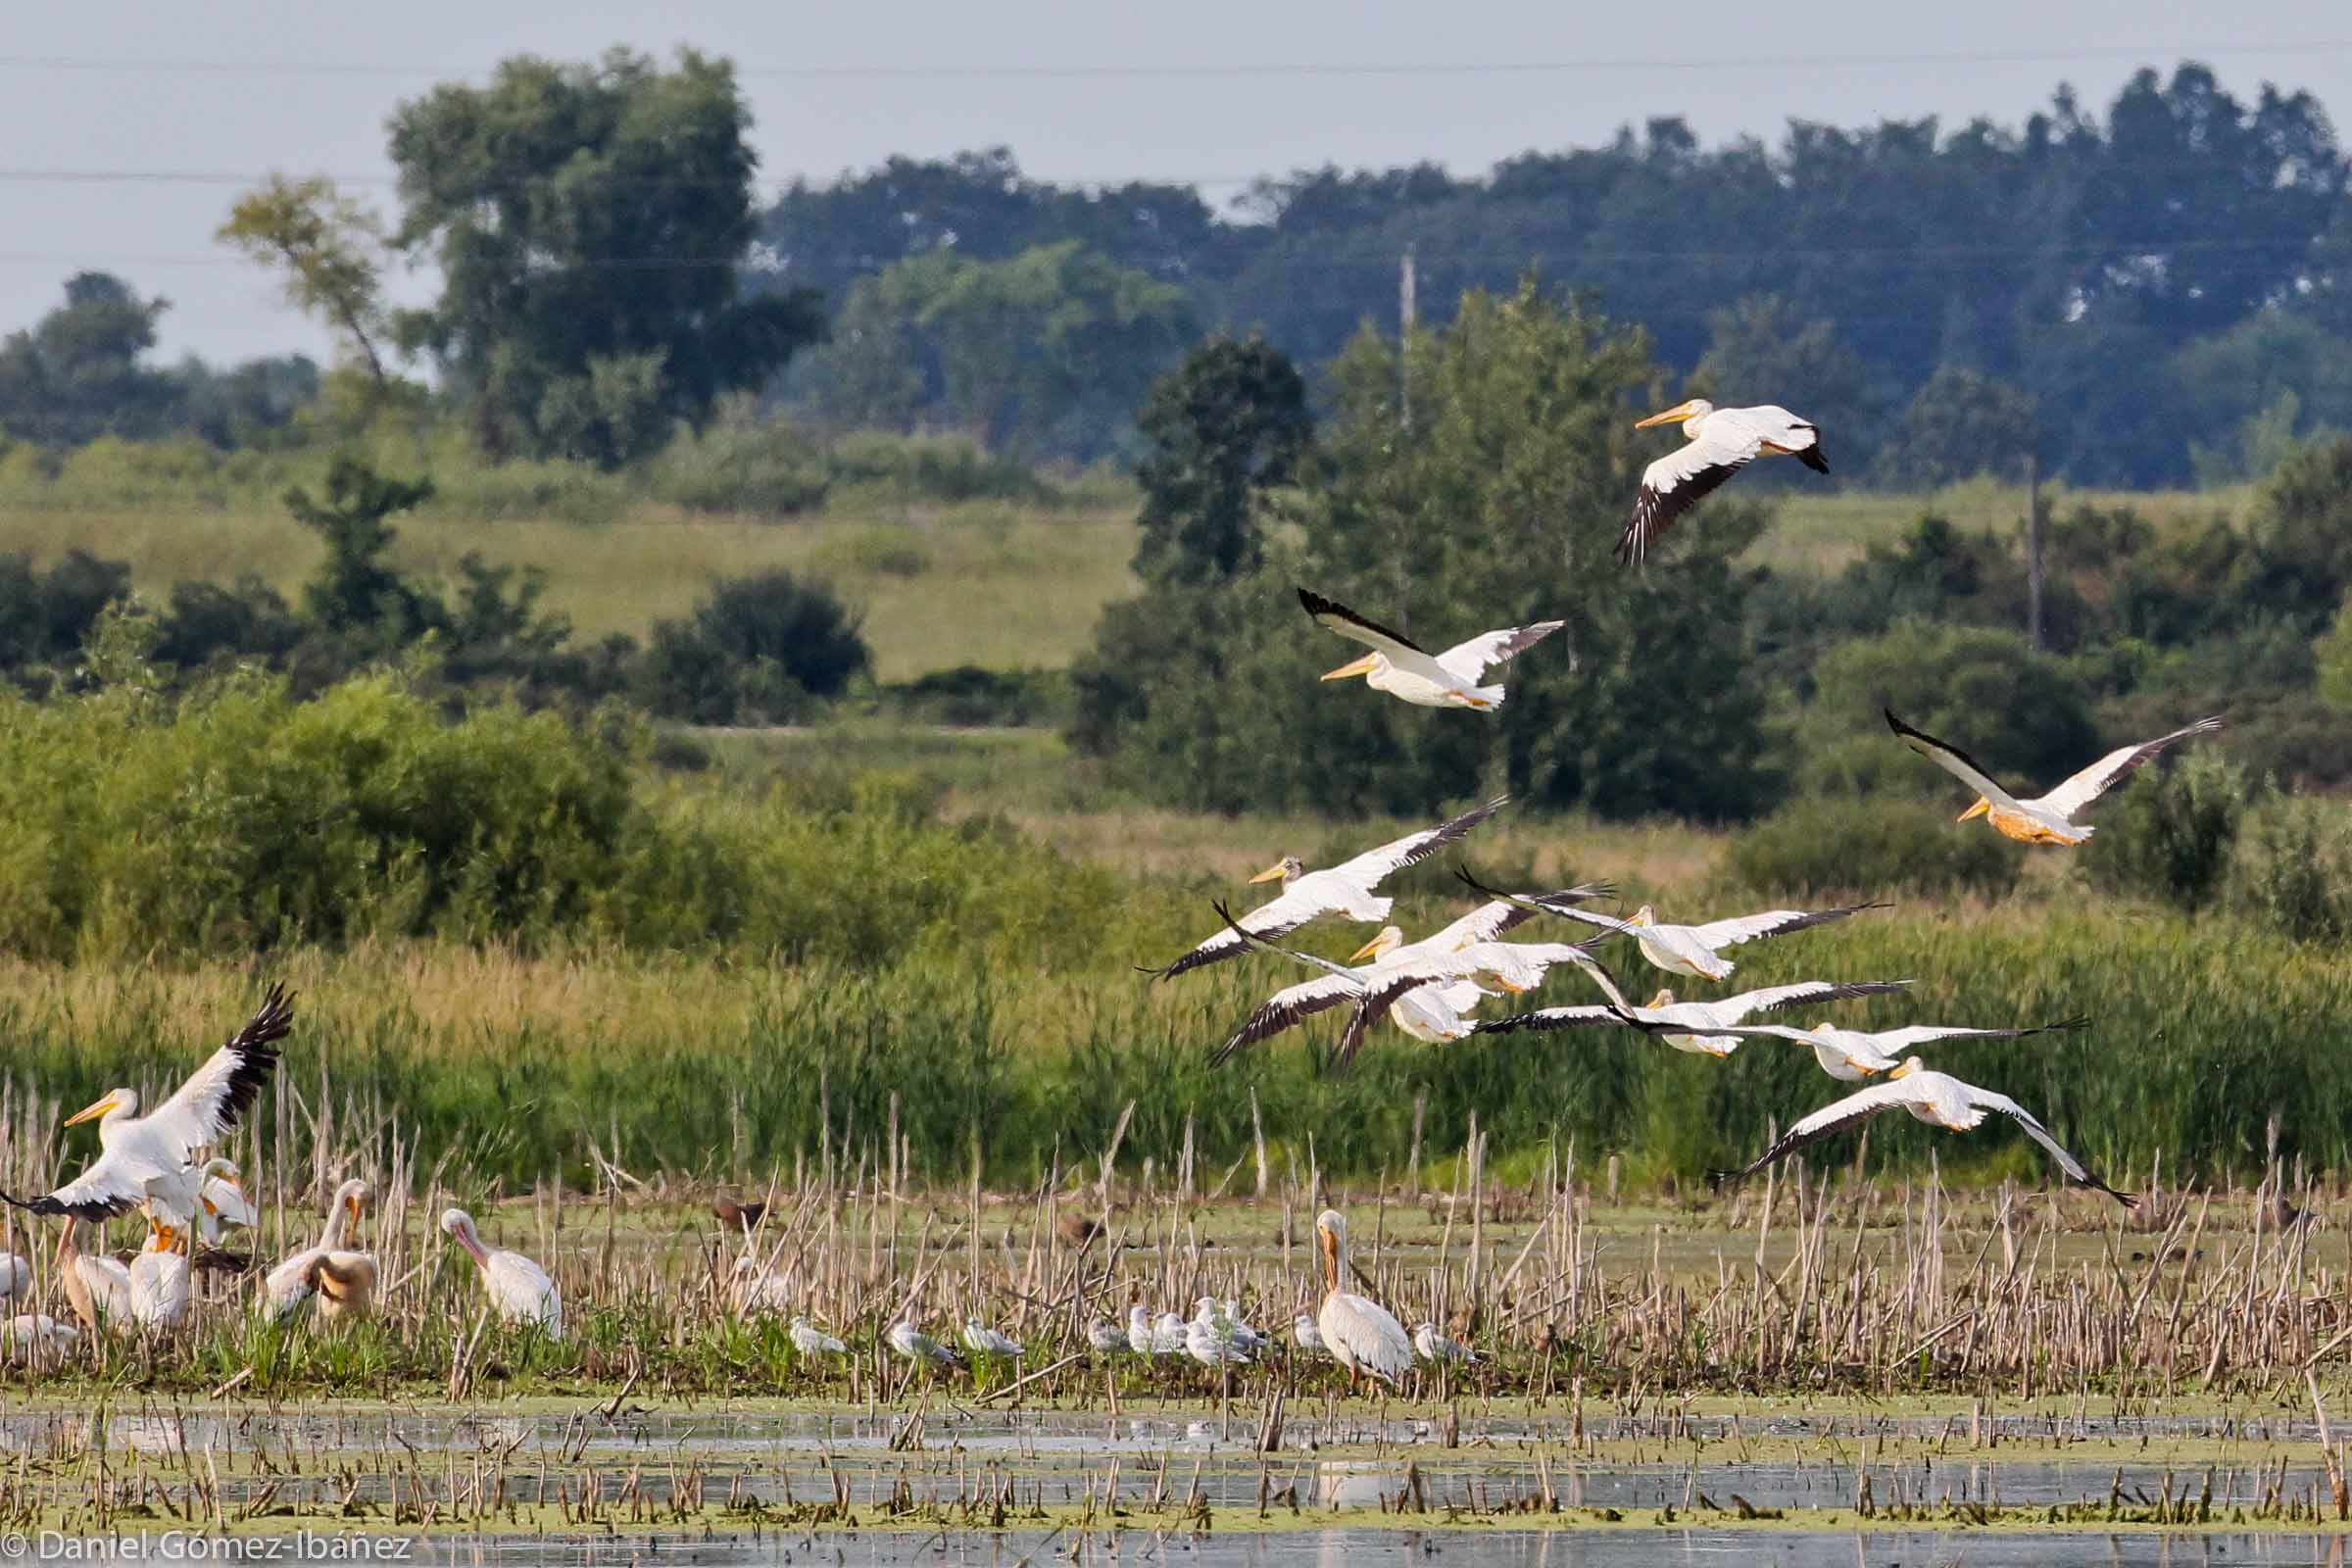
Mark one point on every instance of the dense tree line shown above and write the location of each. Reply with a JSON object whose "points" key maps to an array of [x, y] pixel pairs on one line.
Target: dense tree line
{"points": [[2141, 295]]}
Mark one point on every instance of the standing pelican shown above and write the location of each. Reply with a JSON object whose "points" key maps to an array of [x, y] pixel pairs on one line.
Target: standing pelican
{"points": [[1343, 889], [97, 1286], [520, 1290], [295, 1281], [1937, 1099], [1406, 670], [1721, 442], [143, 1156], [2047, 818], [1693, 1026], [344, 1284], [1692, 949], [1851, 1055], [161, 1282], [1356, 1330]]}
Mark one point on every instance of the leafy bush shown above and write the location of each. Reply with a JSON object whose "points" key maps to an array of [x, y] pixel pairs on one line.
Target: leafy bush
{"points": [[44, 615], [2171, 832], [1870, 848], [2293, 868], [754, 652], [932, 468], [970, 696], [740, 463]]}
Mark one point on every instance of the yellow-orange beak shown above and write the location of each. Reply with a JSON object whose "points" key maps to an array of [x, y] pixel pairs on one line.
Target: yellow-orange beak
{"points": [[353, 1203], [1979, 810], [1356, 666], [91, 1113], [1272, 873], [1365, 951], [1673, 416]]}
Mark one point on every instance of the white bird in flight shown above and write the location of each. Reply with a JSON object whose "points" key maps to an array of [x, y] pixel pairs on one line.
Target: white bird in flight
{"points": [[1937, 1099], [1360, 1334], [1721, 442], [1406, 670], [2045, 818], [1343, 889], [1692, 949], [1851, 1055], [520, 1290], [152, 1155], [1692, 1026]]}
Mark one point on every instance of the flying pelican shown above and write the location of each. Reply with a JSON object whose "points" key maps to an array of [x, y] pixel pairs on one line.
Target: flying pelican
{"points": [[1358, 1330], [1851, 1055], [1688, 1025], [1343, 889], [2047, 818], [1307, 1335], [1722, 442], [978, 1337], [1516, 966], [1406, 670], [294, 1282], [810, 1339], [520, 1290], [916, 1345], [1937, 1099], [142, 1155], [1433, 1012], [1692, 950], [161, 1282], [1436, 1348]]}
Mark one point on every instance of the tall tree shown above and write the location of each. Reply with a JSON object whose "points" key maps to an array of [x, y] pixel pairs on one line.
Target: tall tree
{"points": [[1222, 428], [330, 248], [592, 223], [80, 372]]}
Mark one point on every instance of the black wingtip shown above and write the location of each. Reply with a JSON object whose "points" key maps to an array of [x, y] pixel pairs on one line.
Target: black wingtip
{"points": [[1812, 458]]}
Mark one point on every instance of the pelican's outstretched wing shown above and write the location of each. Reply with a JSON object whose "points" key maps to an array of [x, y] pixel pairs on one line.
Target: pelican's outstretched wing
{"points": [[1778, 998], [1771, 923], [1497, 916], [221, 1090], [1895, 1042], [107, 1188], [2041, 1135], [2117, 766], [1551, 904], [1369, 868], [1286, 1007], [1951, 758], [1826, 1122], [1672, 486], [1599, 1016], [1400, 650], [1470, 659]]}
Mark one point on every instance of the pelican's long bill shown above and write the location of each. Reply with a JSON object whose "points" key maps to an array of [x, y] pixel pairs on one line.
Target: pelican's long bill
{"points": [[1355, 667], [94, 1110]]}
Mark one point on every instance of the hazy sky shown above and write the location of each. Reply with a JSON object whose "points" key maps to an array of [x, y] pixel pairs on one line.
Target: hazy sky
{"points": [[198, 100]]}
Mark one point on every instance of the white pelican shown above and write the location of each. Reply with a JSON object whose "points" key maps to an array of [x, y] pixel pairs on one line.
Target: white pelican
{"points": [[294, 1281], [1692, 950], [1343, 889], [1937, 1099], [345, 1286], [1377, 988], [916, 1345], [1851, 1055], [1691, 1026], [220, 1203], [1722, 442], [161, 1282], [97, 1286], [15, 1276], [1305, 1335], [1358, 1330], [978, 1337], [34, 1336], [1105, 1338], [1404, 669], [145, 1155], [518, 1289], [2047, 818], [1435, 1348], [810, 1339]]}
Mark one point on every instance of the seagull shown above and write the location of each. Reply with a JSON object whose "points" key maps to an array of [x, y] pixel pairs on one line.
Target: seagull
{"points": [[1305, 1335], [2047, 818], [1434, 1012], [916, 1345], [1679, 1023], [810, 1339], [1209, 1345], [1360, 1333], [979, 1336], [1227, 1323], [142, 1157], [31, 1335], [1691, 950], [759, 1290], [1167, 1334], [1343, 889], [1721, 442], [1104, 1336], [520, 1290], [1851, 1055], [1937, 1099], [1516, 966], [1406, 671], [1436, 1348], [1138, 1331]]}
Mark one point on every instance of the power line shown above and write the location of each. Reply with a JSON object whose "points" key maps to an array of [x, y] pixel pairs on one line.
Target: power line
{"points": [[1238, 69]]}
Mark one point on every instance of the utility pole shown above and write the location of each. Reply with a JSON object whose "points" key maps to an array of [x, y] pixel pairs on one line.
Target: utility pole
{"points": [[2034, 550]]}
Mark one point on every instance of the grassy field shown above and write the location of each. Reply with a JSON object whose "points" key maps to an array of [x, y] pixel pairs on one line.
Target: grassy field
{"points": [[983, 583]]}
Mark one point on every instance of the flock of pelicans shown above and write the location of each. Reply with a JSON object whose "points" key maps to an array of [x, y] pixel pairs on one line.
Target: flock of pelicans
{"points": [[159, 1165]]}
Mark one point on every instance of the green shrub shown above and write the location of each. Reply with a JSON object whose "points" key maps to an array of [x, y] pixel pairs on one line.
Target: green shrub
{"points": [[2170, 833], [2292, 867], [740, 464], [933, 467], [754, 652], [1870, 848]]}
